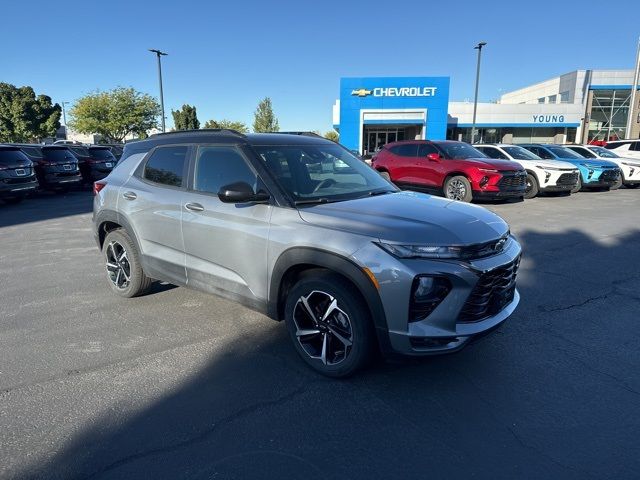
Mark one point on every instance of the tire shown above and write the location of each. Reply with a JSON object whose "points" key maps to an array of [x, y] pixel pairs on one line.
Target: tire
{"points": [[532, 187], [115, 244], [578, 186], [385, 175], [632, 185], [616, 185], [458, 188], [347, 335]]}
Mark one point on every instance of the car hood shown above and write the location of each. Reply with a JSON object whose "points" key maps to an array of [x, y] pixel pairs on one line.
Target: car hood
{"points": [[493, 163], [409, 218], [590, 162], [628, 160], [552, 164]]}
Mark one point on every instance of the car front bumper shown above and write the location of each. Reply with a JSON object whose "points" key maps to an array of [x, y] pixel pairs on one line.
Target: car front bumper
{"points": [[443, 330]]}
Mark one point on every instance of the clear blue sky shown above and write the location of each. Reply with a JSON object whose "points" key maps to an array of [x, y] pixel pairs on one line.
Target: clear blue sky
{"points": [[225, 56]]}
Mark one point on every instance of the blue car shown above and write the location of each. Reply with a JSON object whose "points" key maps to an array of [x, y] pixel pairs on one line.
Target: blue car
{"points": [[594, 173]]}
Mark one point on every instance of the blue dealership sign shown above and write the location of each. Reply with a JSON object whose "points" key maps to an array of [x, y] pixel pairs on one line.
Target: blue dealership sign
{"points": [[421, 102]]}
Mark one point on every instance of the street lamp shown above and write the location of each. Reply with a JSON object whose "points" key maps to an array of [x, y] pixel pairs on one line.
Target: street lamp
{"points": [[475, 100], [64, 113], [159, 54]]}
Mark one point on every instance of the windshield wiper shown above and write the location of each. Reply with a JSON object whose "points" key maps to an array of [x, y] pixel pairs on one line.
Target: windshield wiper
{"points": [[312, 201], [380, 192]]}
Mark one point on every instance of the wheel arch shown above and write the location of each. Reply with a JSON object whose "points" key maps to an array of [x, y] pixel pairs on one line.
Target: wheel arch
{"points": [[295, 261], [108, 220]]}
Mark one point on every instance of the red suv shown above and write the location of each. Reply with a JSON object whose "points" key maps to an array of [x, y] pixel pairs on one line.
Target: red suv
{"points": [[454, 168]]}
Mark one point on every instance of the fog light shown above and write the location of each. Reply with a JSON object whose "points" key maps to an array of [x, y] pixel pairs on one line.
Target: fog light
{"points": [[547, 176], [484, 181], [427, 293], [590, 173]]}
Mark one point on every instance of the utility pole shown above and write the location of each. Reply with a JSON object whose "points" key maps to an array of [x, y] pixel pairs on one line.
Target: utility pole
{"points": [[634, 91], [475, 100], [159, 54]]}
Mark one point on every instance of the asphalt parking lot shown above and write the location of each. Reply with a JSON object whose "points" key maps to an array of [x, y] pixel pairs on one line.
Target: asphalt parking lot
{"points": [[179, 384]]}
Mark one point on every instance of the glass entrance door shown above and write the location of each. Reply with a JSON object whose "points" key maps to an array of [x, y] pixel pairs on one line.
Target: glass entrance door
{"points": [[375, 138]]}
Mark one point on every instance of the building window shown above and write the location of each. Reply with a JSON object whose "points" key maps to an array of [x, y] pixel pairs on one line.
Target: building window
{"points": [[552, 98], [608, 116], [564, 97], [541, 100]]}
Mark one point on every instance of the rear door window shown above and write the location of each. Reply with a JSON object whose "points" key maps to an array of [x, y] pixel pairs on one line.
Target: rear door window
{"points": [[406, 150], [217, 167], [166, 166], [425, 149], [493, 152]]}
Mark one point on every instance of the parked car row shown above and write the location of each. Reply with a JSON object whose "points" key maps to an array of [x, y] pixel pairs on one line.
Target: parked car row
{"points": [[460, 171], [25, 168]]}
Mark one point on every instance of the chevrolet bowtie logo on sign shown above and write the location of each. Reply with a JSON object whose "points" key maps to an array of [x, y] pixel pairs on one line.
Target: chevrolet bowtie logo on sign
{"points": [[396, 92], [361, 92]]}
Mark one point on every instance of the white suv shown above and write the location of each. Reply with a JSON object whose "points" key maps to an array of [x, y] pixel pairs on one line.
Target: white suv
{"points": [[625, 148], [542, 175], [629, 166]]}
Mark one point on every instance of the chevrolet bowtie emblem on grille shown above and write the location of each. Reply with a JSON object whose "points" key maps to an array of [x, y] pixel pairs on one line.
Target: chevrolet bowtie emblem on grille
{"points": [[500, 244], [361, 92]]}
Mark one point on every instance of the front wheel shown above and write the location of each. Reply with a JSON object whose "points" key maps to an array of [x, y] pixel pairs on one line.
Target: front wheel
{"points": [[329, 324], [578, 186], [616, 185], [122, 261], [531, 189], [458, 188]]}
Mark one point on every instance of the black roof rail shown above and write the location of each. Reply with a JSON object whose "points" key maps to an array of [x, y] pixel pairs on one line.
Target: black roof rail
{"points": [[227, 131], [306, 134]]}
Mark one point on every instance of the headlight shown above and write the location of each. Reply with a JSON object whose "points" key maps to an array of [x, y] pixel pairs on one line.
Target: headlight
{"points": [[488, 170], [554, 169], [634, 165], [421, 251]]}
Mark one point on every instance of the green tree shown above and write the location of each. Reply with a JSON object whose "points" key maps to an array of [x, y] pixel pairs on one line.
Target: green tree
{"points": [[332, 135], [115, 114], [233, 125], [186, 118], [264, 118], [25, 116]]}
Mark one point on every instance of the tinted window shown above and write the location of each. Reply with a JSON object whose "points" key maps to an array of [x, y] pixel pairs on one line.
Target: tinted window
{"points": [[406, 150], [11, 156], [612, 146], [635, 146], [425, 149], [81, 151], [101, 154], [520, 153], [58, 154], [583, 152], [603, 152], [492, 152], [453, 150], [166, 166], [32, 151], [564, 152], [220, 166], [542, 153]]}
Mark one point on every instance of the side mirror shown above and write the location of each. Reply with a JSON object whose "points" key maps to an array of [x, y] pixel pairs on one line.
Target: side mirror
{"points": [[241, 192], [434, 157]]}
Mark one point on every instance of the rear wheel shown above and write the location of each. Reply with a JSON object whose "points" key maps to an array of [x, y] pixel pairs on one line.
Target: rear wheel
{"points": [[458, 188], [122, 261], [329, 324], [578, 186], [531, 189]]}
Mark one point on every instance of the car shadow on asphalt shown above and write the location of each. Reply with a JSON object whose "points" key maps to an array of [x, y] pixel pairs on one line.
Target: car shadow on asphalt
{"points": [[552, 394], [46, 206]]}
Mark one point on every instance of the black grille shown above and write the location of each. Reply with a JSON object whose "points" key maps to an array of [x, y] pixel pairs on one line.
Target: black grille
{"points": [[568, 178], [494, 290], [513, 181], [610, 175]]}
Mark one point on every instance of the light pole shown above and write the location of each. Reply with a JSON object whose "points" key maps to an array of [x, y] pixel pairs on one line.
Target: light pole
{"points": [[632, 99], [475, 100], [159, 54], [64, 113]]}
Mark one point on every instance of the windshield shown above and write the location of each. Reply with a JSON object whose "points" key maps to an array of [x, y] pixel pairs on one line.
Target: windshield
{"points": [[563, 152], [321, 173], [520, 153], [603, 152], [82, 151], [583, 152], [57, 154], [454, 150], [101, 154]]}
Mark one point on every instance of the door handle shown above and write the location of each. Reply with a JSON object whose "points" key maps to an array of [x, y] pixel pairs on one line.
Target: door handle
{"points": [[194, 207], [129, 195]]}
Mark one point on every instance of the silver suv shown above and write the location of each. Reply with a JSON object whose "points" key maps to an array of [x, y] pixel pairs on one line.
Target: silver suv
{"points": [[296, 227]]}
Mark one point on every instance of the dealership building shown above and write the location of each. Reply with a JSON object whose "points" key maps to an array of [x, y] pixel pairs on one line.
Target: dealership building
{"points": [[577, 107]]}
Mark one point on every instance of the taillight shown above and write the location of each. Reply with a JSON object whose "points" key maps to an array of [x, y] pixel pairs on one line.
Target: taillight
{"points": [[97, 186]]}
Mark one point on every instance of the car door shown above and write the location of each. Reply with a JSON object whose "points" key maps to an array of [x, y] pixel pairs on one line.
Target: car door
{"points": [[403, 161], [429, 172], [151, 201], [225, 243]]}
